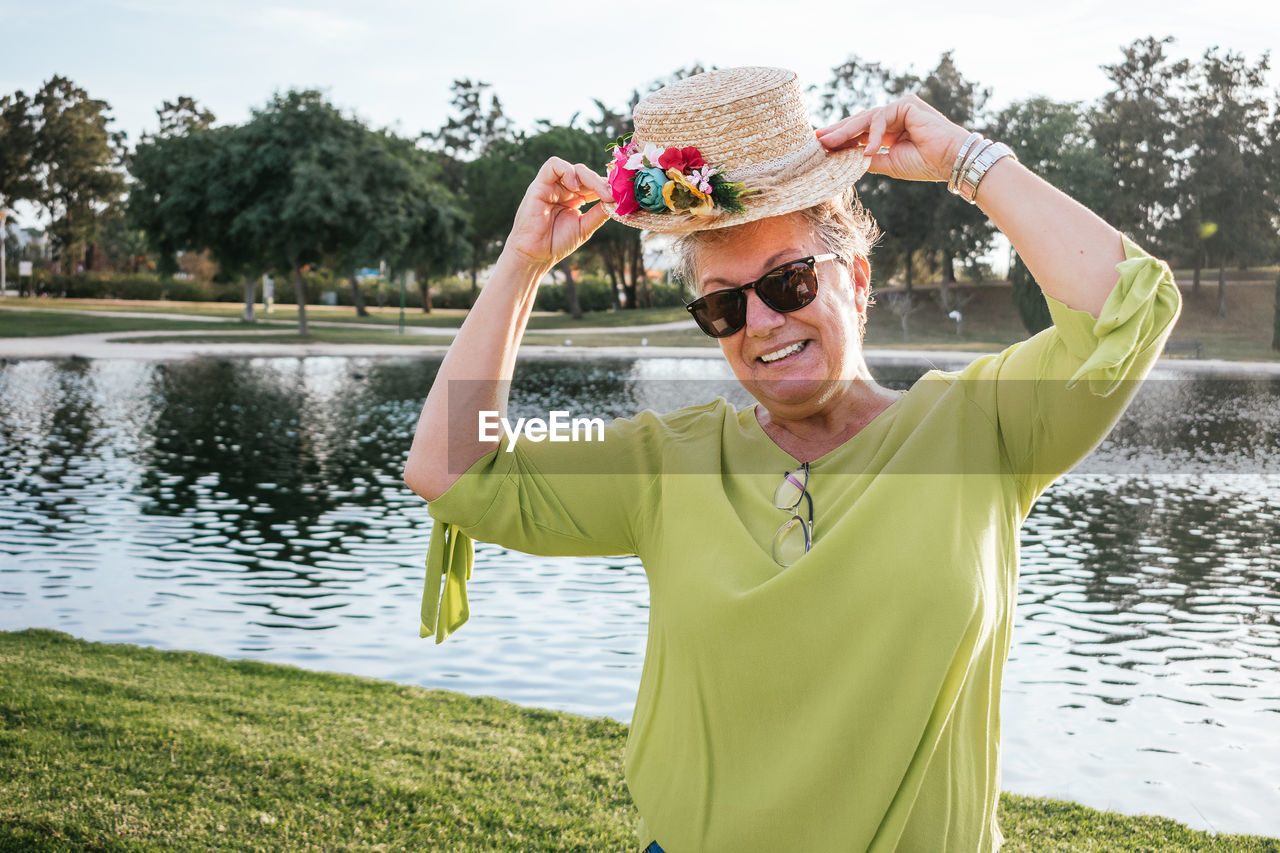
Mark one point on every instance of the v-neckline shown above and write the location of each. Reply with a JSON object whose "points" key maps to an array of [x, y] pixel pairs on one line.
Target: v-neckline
{"points": [[792, 462], [755, 436]]}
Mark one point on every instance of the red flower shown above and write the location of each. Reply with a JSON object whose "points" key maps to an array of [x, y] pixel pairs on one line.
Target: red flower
{"points": [[683, 159]]}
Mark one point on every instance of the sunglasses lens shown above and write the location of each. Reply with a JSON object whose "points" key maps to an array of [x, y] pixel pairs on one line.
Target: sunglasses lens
{"points": [[790, 288], [791, 490], [721, 314], [789, 542]]}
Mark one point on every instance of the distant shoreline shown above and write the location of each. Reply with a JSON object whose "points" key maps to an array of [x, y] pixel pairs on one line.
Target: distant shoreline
{"points": [[110, 346]]}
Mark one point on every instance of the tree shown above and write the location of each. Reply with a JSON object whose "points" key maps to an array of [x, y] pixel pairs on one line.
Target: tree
{"points": [[124, 246], [1138, 129], [326, 189], [1275, 320], [617, 247], [307, 201], [18, 173], [903, 304], [576, 146], [855, 85], [435, 239], [415, 222], [78, 157], [958, 231], [188, 187], [478, 123], [1227, 200], [923, 227], [494, 184], [190, 183], [183, 116], [902, 210], [1052, 139]]}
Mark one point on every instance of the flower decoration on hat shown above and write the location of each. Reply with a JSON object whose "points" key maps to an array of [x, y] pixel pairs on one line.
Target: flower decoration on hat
{"points": [[670, 180]]}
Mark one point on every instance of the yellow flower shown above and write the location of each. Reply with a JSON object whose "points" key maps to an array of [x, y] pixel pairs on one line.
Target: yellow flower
{"points": [[681, 196]]}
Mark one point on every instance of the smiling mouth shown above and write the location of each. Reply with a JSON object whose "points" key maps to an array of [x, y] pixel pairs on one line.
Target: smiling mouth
{"points": [[778, 355]]}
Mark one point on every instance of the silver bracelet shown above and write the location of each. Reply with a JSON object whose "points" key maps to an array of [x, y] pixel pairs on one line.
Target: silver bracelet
{"points": [[974, 154], [955, 167], [974, 171]]}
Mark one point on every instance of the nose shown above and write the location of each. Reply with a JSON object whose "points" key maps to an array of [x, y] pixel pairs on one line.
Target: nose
{"points": [[761, 319]]}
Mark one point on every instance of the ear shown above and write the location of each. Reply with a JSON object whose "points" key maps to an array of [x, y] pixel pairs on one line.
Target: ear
{"points": [[861, 271]]}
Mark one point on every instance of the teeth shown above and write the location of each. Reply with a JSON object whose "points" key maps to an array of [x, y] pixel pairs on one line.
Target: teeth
{"points": [[783, 353]]}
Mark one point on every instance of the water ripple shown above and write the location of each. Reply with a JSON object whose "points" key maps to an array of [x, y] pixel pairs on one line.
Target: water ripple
{"points": [[254, 509]]}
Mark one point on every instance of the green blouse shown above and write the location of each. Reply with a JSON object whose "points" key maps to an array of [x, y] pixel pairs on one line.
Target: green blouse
{"points": [[852, 700]]}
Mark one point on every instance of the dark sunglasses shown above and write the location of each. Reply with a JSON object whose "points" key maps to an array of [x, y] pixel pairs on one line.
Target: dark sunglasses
{"points": [[785, 288]]}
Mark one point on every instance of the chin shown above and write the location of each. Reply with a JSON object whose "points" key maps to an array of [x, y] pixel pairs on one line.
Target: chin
{"points": [[793, 392]]}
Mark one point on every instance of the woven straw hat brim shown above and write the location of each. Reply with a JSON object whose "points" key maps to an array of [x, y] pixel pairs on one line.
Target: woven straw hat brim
{"points": [[838, 171], [753, 126]]}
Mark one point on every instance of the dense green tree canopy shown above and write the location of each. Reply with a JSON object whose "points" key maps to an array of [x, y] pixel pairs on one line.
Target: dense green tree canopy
{"points": [[19, 174], [1182, 155], [79, 158], [1052, 139]]}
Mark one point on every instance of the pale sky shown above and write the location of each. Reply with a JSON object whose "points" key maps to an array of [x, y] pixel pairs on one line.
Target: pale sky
{"points": [[391, 63]]}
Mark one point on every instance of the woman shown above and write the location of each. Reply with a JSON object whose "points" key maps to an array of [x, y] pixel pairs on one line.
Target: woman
{"points": [[832, 592]]}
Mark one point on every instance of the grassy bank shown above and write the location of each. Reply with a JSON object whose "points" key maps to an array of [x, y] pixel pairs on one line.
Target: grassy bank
{"points": [[28, 324], [990, 324], [117, 747], [378, 317]]}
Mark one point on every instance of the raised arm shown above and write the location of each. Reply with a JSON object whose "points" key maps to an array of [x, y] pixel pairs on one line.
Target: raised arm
{"points": [[1071, 252], [1062, 390], [549, 225]]}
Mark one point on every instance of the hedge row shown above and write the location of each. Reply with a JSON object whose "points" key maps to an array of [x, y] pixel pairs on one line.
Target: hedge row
{"points": [[594, 293]]}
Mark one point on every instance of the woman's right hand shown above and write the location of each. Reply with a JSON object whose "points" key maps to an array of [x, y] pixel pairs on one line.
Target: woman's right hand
{"points": [[547, 228], [549, 224]]}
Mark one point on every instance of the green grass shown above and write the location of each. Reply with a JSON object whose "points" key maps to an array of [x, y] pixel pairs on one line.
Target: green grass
{"points": [[123, 748], [671, 338], [28, 324], [322, 335], [315, 335], [991, 323], [388, 316], [592, 319]]}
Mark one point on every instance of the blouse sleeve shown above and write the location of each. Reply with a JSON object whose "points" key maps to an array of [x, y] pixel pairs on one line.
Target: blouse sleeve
{"points": [[1059, 393], [568, 498]]}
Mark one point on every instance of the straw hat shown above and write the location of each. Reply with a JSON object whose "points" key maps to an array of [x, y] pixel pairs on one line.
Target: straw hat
{"points": [[752, 125]]}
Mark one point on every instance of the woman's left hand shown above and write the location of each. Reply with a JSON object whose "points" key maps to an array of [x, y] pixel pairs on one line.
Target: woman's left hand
{"points": [[922, 142]]}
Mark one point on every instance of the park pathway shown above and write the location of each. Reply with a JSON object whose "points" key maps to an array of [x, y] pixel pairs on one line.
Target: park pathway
{"points": [[239, 343], [436, 331]]}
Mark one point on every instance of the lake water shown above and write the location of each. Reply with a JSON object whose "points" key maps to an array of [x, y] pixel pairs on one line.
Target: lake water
{"points": [[254, 509]]}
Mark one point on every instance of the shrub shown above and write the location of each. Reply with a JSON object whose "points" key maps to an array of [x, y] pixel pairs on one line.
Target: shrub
{"points": [[127, 286], [450, 292], [594, 294]]}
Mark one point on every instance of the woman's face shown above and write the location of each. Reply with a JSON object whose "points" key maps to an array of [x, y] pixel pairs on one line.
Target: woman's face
{"points": [[824, 335]]}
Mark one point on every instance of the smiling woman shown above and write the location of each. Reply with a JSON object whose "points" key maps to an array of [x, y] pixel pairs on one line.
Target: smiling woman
{"points": [[841, 692]]}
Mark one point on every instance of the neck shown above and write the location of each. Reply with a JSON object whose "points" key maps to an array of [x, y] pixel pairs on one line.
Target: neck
{"points": [[807, 435]]}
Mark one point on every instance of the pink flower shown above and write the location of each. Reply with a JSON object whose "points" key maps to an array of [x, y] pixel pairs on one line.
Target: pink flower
{"points": [[702, 178], [622, 185], [622, 152], [682, 159]]}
